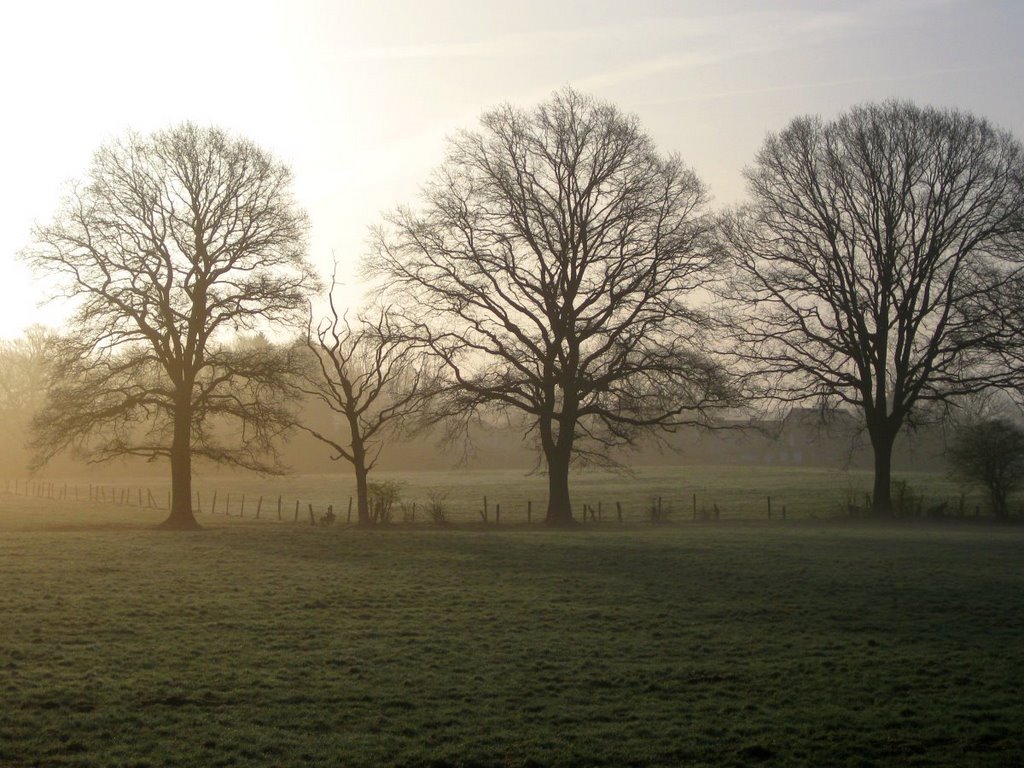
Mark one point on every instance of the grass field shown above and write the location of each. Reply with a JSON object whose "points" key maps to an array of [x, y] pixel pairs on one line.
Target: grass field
{"points": [[738, 492], [736, 643]]}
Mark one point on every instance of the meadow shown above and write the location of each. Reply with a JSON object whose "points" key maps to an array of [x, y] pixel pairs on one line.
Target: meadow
{"points": [[814, 641], [737, 492]]}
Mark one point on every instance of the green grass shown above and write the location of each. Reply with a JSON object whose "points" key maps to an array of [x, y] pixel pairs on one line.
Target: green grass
{"points": [[738, 492], [251, 644]]}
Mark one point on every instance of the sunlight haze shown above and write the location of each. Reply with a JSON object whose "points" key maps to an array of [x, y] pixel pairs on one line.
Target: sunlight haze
{"points": [[358, 98]]}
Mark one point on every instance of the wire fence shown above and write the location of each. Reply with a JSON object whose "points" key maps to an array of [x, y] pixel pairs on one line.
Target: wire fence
{"points": [[325, 503]]}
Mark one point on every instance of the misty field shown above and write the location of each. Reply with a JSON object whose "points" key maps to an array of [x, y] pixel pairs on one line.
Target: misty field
{"points": [[737, 492], [737, 643]]}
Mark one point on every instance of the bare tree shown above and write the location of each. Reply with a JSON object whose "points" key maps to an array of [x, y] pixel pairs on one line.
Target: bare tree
{"points": [[865, 242], [550, 272], [373, 377], [990, 453], [172, 243], [24, 376]]}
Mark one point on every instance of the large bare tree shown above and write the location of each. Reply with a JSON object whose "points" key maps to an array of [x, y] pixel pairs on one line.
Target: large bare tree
{"points": [[551, 270], [865, 242], [373, 378], [173, 243]]}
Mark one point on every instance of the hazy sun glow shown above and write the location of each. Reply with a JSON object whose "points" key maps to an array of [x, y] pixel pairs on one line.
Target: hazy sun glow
{"points": [[359, 98]]}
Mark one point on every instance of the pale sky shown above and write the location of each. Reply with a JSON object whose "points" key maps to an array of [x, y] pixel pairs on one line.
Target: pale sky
{"points": [[358, 97]]}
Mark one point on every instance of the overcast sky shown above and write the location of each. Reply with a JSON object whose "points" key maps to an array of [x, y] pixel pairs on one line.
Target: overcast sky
{"points": [[358, 97]]}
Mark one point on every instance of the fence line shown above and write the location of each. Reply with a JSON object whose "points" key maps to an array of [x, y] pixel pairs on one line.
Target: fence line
{"points": [[660, 509]]}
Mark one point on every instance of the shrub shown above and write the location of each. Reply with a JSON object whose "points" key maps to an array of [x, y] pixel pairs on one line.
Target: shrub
{"points": [[437, 509], [383, 497], [990, 453]]}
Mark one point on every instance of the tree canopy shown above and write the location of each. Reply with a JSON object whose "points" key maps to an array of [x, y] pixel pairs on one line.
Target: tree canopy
{"points": [[171, 244], [553, 270], [866, 242]]}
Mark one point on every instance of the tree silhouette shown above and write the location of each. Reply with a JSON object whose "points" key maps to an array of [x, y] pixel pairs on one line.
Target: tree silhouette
{"points": [[991, 454], [373, 377], [550, 271], [866, 242], [173, 242], [24, 376]]}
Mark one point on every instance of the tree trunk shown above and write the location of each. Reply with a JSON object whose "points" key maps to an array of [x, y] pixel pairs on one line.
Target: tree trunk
{"points": [[559, 506], [362, 494], [181, 517], [881, 498], [361, 470]]}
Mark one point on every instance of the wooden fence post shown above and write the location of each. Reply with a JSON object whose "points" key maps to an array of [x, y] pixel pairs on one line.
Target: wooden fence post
{"points": [[312, 519], [769, 507], [213, 507], [242, 511], [529, 511], [259, 506], [278, 507], [497, 514], [296, 511], [618, 511], [348, 517], [227, 506]]}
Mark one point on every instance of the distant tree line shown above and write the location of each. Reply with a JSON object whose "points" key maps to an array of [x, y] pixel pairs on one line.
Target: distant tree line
{"points": [[559, 273]]}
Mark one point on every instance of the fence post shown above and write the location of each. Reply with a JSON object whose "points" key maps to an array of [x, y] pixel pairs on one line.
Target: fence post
{"points": [[227, 506], [213, 507], [312, 519], [618, 511], [769, 507], [199, 503], [242, 511], [259, 506], [279, 507], [695, 506], [296, 511], [529, 511], [348, 517], [497, 514]]}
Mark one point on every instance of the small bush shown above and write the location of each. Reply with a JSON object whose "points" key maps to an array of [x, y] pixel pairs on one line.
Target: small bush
{"points": [[990, 454], [437, 508], [383, 497]]}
